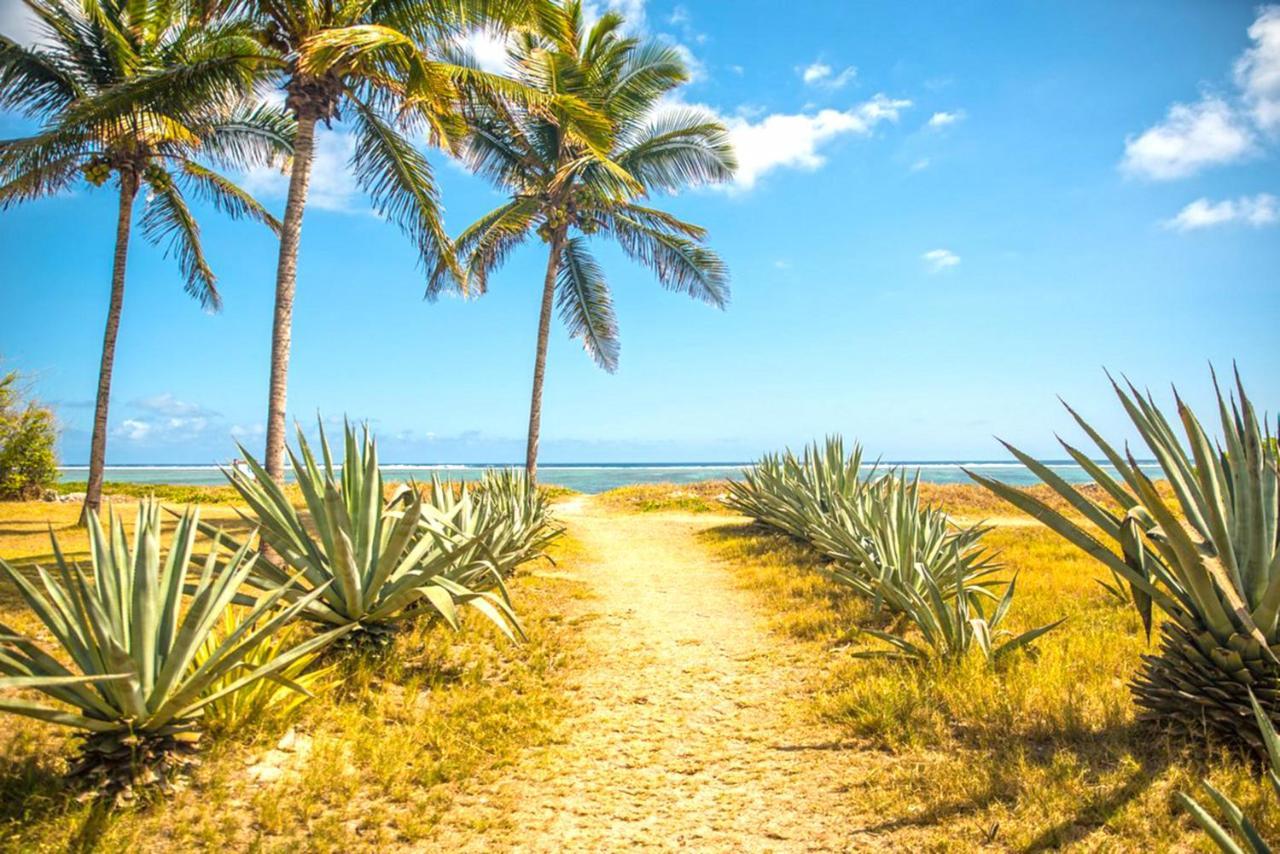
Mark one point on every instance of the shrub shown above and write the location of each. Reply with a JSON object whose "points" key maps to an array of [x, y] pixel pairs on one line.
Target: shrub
{"points": [[28, 433]]}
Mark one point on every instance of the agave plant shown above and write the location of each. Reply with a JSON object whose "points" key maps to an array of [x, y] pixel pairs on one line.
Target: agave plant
{"points": [[951, 619], [1209, 558], [790, 493], [504, 515], [1252, 841], [132, 636], [275, 697], [883, 543], [374, 562]]}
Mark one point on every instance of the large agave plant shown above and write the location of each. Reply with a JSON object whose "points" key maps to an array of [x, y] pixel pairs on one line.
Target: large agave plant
{"points": [[1209, 558], [373, 561], [883, 544], [131, 630], [789, 493]]}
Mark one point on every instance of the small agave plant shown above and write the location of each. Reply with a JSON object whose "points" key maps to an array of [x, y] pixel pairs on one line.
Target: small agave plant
{"points": [[504, 514], [790, 494], [1209, 559], [883, 542], [132, 630], [370, 561]]}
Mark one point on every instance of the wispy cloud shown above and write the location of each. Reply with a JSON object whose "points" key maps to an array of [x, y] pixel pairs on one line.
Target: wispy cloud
{"points": [[1219, 128], [333, 187], [819, 73], [795, 141], [1256, 211], [938, 260], [943, 119]]}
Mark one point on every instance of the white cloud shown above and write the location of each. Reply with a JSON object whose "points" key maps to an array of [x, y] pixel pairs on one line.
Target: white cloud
{"points": [[488, 49], [1191, 137], [1256, 211], [679, 15], [166, 403], [333, 187], [240, 431], [937, 260], [783, 140], [1258, 70], [133, 429], [944, 118], [919, 165], [1216, 129], [632, 11], [819, 73]]}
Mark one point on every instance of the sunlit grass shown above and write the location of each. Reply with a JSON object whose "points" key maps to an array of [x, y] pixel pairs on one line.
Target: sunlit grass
{"points": [[1042, 751], [387, 748], [700, 497]]}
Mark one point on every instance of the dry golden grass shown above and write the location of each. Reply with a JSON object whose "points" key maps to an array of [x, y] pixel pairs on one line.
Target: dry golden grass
{"points": [[402, 732], [702, 497], [1043, 751]]}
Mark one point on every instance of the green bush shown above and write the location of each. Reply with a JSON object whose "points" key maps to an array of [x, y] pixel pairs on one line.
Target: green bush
{"points": [[27, 435]]}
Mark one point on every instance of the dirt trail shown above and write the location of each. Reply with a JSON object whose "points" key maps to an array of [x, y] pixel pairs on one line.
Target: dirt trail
{"points": [[688, 730]]}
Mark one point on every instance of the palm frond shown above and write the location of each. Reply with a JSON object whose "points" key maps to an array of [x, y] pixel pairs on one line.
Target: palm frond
{"points": [[679, 148], [32, 82], [248, 135], [484, 246], [586, 306], [168, 222], [681, 264], [226, 196], [401, 185]]}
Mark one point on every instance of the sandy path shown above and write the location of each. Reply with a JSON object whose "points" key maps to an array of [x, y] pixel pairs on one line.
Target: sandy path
{"points": [[687, 731]]}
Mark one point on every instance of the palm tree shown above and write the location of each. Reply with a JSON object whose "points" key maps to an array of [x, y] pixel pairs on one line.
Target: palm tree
{"points": [[95, 81], [567, 191], [384, 66]]}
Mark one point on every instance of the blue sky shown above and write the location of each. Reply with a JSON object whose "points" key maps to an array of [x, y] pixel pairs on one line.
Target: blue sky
{"points": [[946, 217]]}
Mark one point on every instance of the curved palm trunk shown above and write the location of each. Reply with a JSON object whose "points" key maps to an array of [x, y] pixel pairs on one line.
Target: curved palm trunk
{"points": [[286, 283], [540, 360], [98, 443]]}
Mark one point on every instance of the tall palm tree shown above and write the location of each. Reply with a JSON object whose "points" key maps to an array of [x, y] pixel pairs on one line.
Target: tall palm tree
{"points": [[385, 67], [94, 80], [566, 191]]}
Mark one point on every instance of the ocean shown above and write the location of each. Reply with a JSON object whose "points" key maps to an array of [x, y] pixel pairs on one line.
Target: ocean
{"points": [[600, 477]]}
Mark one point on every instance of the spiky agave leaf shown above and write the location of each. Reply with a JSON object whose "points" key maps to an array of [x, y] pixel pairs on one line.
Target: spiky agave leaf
{"points": [[1209, 559], [371, 562], [131, 629]]}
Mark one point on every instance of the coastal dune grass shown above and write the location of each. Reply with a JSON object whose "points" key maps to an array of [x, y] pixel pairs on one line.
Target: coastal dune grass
{"points": [[372, 762]]}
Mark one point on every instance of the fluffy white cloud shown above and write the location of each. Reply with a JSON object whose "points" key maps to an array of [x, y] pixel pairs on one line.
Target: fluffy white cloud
{"points": [[819, 73], [1258, 70], [937, 260], [1191, 137], [1256, 211], [943, 118], [794, 141], [333, 187]]}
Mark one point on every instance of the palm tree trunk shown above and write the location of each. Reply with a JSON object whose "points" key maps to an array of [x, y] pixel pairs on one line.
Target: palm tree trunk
{"points": [[98, 443], [540, 360], [286, 283]]}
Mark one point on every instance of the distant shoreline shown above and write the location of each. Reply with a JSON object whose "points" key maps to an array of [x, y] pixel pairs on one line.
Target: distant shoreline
{"points": [[596, 477]]}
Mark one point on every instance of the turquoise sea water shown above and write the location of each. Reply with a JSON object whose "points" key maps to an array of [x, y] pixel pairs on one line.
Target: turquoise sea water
{"points": [[594, 477]]}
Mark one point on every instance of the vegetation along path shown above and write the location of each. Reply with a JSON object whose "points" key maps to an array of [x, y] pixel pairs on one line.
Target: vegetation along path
{"points": [[689, 729]]}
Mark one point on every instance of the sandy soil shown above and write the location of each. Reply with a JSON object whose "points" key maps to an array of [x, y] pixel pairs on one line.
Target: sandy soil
{"points": [[689, 731]]}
